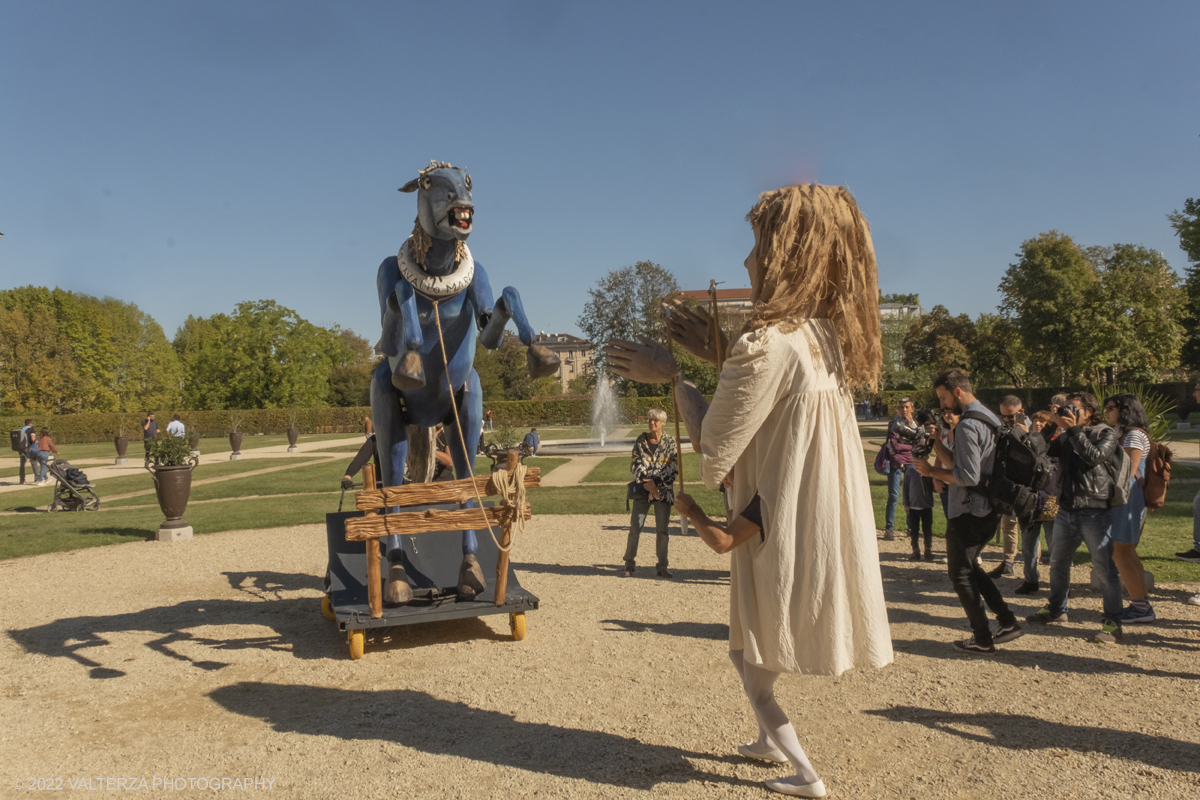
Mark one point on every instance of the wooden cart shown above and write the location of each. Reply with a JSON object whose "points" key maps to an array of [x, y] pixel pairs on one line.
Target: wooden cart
{"points": [[430, 511]]}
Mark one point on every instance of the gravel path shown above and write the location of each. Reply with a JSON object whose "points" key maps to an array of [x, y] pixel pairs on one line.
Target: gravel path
{"points": [[210, 659]]}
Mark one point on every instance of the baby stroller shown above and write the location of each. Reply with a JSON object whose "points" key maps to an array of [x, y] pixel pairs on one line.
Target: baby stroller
{"points": [[72, 492]]}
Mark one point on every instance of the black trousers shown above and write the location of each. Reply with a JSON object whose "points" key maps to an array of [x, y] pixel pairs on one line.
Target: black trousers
{"points": [[966, 536], [918, 518]]}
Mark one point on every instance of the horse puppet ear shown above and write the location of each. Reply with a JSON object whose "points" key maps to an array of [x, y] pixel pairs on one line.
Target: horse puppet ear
{"points": [[411, 186]]}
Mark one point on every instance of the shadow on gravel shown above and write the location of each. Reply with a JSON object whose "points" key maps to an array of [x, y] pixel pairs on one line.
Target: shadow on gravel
{"points": [[1022, 732], [297, 626], [617, 569], [691, 630], [421, 722], [1013, 655]]}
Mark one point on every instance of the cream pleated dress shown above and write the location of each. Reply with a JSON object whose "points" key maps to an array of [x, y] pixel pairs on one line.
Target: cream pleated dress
{"points": [[808, 596]]}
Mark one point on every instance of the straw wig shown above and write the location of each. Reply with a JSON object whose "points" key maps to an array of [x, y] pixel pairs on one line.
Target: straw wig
{"points": [[815, 259]]}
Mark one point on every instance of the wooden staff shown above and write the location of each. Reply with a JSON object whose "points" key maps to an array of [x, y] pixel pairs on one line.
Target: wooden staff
{"points": [[510, 465], [374, 587], [716, 323]]}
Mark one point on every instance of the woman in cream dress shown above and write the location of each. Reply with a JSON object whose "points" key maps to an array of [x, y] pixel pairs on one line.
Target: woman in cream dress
{"points": [[805, 588]]}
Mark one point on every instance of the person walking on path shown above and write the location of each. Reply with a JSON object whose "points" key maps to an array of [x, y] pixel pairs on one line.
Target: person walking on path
{"points": [[918, 509], [972, 521], [806, 593], [30, 453], [654, 468], [1085, 487], [149, 430], [45, 448], [1012, 414], [175, 427], [1043, 516], [899, 457]]}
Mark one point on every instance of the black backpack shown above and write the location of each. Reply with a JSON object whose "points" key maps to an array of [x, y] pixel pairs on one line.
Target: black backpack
{"points": [[20, 440], [1018, 472]]}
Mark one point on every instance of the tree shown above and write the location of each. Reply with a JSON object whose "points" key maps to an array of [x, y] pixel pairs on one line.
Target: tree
{"points": [[263, 356], [1140, 307], [107, 355], [999, 355], [1050, 297], [902, 299], [1187, 228], [504, 372], [625, 305], [938, 341], [350, 383]]}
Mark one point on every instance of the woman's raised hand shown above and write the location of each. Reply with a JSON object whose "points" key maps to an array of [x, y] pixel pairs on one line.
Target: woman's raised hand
{"points": [[648, 362], [692, 329]]}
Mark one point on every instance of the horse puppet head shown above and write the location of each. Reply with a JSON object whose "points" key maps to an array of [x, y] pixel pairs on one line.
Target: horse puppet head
{"points": [[444, 207]]}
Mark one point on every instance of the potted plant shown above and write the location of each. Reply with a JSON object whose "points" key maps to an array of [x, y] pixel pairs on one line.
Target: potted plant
{"points": [[235, 434], [122, 439], [293, 431], [168, 460]]}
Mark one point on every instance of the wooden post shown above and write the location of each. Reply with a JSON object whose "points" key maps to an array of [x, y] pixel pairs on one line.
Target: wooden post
{"points": [[374, 583], [510, 464]]}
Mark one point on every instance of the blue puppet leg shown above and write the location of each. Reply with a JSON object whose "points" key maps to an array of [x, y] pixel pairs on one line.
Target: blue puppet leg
{"points": [[508, 307], [391, 440], [470, 416]]}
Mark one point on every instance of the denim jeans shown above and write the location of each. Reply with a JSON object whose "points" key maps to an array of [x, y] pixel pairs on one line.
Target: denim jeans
{"points": [[42, 464], [966, 536], [1091, 527], [1030, 536], [662, 518], [895, 476]]}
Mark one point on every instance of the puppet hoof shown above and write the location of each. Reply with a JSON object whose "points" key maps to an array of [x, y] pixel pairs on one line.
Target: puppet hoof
{"points": [[470, 578], [542, 362], [409, 375], [397, 592]]}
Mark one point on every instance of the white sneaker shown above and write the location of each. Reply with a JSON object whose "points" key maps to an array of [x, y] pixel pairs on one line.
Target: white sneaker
{"points": [[785, 786], [1194, 600]]}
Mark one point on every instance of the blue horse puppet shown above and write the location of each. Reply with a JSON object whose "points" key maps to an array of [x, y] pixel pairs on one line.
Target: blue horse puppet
{"points": [[434, 280]]}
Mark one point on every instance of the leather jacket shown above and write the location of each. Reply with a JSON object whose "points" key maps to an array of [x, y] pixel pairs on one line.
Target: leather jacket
{"points": [[1083, 455]]}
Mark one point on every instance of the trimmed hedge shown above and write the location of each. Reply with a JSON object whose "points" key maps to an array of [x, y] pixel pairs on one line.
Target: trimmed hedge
{"points": [[77, 428], [96, 427]]}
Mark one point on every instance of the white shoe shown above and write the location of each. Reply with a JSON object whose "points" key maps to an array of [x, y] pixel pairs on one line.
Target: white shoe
{"points": [[1194, 600], [785, 786], [774, 754]]}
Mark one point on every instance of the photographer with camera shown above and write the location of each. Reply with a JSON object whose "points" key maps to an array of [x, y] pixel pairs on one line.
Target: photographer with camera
{"points": [[972, 521], [903, 434], [1085, 487], [1012, 414]]}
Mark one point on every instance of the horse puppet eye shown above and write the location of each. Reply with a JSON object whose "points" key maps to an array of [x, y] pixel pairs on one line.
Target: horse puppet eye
{"points": [[426, 182]]}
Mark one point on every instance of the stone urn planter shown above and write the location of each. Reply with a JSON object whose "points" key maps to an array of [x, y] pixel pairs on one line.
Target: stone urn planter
{"points": [[235, 444], [122, 444], [293, 435], [169, 463]]}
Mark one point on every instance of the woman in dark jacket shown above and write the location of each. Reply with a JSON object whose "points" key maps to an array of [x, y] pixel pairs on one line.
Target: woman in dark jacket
{"points": [[1083, 450]]}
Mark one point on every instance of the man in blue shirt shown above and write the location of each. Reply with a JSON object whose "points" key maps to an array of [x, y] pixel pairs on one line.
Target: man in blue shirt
{"points": [[532, 440], [31, 453], [971, 521]]}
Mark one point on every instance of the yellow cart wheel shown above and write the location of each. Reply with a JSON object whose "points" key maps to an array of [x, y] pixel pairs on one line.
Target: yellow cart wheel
{"points": [[327, 608], [357, 640], [516, 622]]}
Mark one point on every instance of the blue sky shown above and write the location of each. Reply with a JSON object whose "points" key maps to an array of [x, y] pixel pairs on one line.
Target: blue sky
{"points": [[190, 155]]}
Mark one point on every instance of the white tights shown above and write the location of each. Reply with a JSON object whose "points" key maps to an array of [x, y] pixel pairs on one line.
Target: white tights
{"points": [[774, 729]]}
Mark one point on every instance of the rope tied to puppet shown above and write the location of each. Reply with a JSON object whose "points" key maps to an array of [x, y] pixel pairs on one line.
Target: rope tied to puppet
{"points": [[505, 489], [512, 496]]}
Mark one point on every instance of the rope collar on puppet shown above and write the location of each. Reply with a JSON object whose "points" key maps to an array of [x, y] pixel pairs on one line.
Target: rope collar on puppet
{"points": [[519, 473], [436, 287]]}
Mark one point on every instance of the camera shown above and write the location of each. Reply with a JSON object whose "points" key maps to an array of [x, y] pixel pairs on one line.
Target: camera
{"points": [[914, 435], [1068, 410]]}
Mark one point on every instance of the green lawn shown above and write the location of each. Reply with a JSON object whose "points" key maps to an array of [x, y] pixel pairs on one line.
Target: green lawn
{"points": [[607, 500], [616, 468], [142, 480]]}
